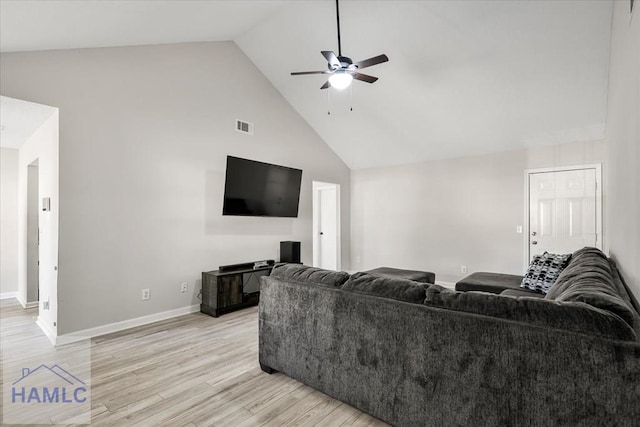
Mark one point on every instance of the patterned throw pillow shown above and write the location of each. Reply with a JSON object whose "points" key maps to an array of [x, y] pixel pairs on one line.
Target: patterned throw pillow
{"points": [[543, 271]]}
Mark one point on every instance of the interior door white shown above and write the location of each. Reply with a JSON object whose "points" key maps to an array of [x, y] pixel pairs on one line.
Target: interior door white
{"points": [[328, 228], [563, 211]]}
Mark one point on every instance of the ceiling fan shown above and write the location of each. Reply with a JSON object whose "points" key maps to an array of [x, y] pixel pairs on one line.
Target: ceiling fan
{"points": [[342, 69]]}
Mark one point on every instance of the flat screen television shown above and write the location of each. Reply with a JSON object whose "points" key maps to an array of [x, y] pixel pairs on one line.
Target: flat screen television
{"points": [[253, 188]]}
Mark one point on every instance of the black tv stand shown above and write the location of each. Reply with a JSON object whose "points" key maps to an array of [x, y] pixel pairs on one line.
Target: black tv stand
{"points": [[232, 287], [253, 265]]}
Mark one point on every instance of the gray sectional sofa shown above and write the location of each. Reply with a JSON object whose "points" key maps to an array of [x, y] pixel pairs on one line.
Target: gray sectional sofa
{"points": [[415, 354]]}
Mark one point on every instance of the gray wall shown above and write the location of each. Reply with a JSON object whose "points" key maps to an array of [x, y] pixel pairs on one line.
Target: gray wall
{"points": [[8, 220], [33, 212], [441, 215], [623, 142], [144, 135]]}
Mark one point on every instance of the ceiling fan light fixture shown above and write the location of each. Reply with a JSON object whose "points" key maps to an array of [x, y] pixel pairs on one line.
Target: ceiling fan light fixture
{"points": [[342, 69], [340, 80]]}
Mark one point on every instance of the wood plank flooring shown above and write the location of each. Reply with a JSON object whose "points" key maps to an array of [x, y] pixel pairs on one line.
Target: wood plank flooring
{"points": [[193, 370]]}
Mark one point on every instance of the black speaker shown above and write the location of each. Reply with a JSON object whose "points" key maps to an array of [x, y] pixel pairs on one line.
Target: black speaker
{"points": [[290, 252]]}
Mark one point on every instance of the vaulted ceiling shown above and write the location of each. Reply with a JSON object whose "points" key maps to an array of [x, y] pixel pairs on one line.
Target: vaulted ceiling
{"points": [[464, 77]]}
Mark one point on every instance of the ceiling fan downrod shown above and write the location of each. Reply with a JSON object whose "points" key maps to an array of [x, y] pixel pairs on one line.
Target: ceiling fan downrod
{"points": [[338, 21], [343, 70]]}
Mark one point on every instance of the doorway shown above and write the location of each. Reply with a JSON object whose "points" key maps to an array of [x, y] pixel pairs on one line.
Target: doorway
{"points": [[563, 209], [33, 235], [326, 225], [36, 137]]}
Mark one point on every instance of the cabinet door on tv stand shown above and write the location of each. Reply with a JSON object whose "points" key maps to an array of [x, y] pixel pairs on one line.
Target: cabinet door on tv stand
{"points": [[251, 281], [209, 290], [229, 290]]}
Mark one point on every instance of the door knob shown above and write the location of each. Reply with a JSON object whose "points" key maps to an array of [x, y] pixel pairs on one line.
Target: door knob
{"points": [[534, 233], [534, 243], [321, 233]]}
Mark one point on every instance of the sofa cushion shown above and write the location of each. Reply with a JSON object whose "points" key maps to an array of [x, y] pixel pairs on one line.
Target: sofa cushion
{"points": [[386, 287], [489, 282], [573, 316], [586, 264], [416, 276], [544, 271], [522, 293], [303, 273], [626, 294], [589, 279]]}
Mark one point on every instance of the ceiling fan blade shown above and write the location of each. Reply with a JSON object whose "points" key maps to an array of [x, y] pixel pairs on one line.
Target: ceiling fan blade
{"points": [[331, 58], [325, 85], [364, 77], [372, 61], [301, 73]]}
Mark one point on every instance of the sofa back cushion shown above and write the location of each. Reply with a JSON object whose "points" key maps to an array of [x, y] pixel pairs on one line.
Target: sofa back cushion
{"points": [[589, 279], [572, 316], [386, 287], [624, 290], [303, 273], [415, 275]]}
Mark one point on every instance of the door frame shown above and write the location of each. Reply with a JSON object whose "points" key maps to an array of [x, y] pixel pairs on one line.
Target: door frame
{"points": [[317, 186], [599, 210]]}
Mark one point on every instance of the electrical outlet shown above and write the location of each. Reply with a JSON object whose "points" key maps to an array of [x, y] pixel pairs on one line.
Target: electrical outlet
{"points": [[519, 229], [463, 269], [45, 305], [146, 294], [183, 287]]}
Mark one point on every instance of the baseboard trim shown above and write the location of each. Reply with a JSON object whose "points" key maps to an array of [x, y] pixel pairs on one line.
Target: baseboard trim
{"points": [[51, 335], [125, 324], [22, 302], [8, 295]]}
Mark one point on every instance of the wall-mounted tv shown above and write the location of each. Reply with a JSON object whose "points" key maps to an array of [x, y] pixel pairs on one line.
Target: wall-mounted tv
{"points": [[253, 188]]}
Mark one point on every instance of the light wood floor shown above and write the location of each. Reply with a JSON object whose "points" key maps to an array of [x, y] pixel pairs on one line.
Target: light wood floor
{"points": [[193, 370]]}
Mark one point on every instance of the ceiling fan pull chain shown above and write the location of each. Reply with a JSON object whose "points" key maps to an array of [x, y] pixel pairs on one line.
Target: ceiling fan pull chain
{"points": [[329, 102], [351, 108]]}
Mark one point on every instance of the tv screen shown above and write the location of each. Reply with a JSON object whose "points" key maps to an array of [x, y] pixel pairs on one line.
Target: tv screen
{"points": [[254, 188]]}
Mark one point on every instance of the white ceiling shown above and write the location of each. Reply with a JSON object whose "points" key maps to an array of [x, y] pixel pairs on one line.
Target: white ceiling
{"points": [[20, 119], [464, 77], [68, 24]]}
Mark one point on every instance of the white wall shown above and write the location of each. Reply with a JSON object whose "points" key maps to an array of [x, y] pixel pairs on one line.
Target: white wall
{"points": [[623, 142], [144, 135], [8, 221], [441, 215], [43, 147]]}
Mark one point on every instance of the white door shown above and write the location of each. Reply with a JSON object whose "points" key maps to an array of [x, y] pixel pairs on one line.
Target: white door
{"points": [[327, 230], [564, 211], [326, 225]]}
